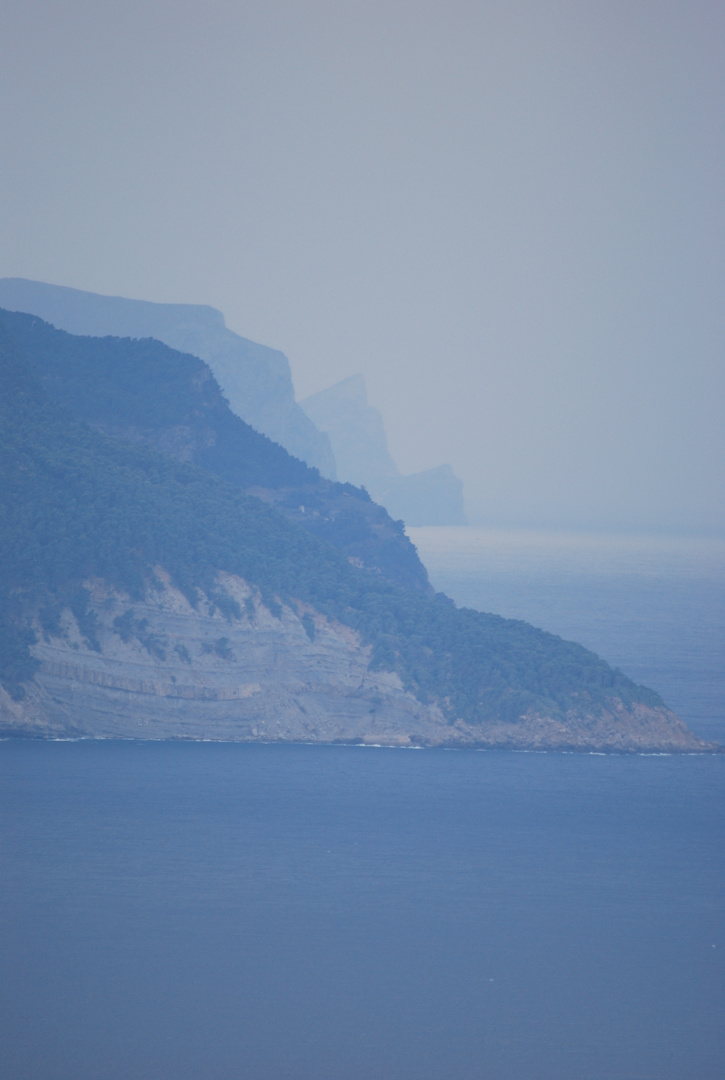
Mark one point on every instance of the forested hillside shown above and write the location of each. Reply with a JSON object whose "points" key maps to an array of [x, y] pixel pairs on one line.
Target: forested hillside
{"points": [[144, 391]]}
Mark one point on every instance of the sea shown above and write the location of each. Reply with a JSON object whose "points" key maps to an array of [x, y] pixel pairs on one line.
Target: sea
{"points": [[201, 911]]}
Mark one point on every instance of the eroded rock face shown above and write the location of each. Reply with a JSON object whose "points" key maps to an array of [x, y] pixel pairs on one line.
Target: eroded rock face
{"points": [[164, 669]]}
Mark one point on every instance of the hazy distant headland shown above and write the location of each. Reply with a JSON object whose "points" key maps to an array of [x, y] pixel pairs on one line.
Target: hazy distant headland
{"points": [[335, 431], [357, 436], [169, 572]]}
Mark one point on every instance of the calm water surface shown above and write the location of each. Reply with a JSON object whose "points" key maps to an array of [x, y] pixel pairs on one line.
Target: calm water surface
{"points": [[210, 912]]}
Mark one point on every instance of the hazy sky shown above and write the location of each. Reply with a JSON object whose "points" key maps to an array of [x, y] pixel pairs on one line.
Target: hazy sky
{"points": [[507, 215]]}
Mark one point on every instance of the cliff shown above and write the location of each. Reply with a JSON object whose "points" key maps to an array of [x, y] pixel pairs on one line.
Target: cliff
{"points": [[359, 443]]}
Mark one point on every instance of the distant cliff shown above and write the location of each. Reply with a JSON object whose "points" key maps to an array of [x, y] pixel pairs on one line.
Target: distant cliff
{"points": [[359, 443], [255, 379]]}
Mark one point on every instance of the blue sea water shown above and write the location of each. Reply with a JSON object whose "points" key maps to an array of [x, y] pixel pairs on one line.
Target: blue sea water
{"points": [[230, 912]]}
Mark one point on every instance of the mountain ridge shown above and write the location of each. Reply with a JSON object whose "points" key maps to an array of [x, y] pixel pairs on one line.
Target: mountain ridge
{"points": [[256, 379]]}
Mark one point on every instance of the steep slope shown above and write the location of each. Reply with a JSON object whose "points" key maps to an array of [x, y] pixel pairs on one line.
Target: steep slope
{"points": [[360, 445], [255, 379], [147, 392], [144, 596]]}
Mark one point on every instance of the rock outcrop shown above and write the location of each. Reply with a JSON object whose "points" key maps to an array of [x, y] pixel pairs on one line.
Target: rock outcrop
{"points": [[161, 668]]}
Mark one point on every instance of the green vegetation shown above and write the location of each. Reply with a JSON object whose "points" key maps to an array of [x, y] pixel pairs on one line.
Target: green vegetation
{"points": [[76, 504]]}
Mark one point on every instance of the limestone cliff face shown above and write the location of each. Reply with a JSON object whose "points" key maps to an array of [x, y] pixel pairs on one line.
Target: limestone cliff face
{"points": [[164, 669]]}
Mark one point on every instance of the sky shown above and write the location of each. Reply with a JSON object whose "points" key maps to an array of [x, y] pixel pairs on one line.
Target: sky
{"points": [[507, 215]]}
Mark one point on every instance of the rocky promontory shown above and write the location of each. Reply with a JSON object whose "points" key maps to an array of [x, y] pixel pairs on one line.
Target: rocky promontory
{"points": [[202, 586]]}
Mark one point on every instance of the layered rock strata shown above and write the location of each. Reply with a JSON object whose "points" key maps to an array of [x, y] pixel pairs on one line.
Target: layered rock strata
{"points": [[161, 668]]}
